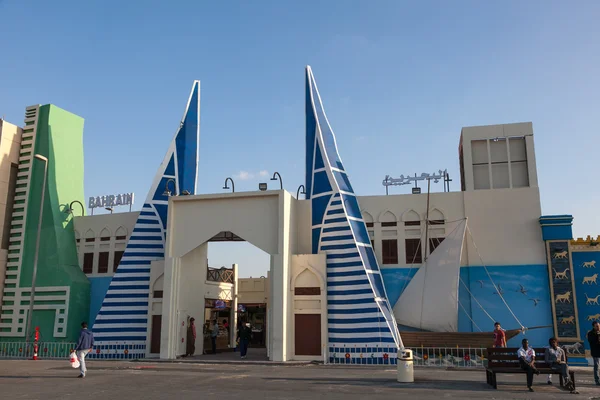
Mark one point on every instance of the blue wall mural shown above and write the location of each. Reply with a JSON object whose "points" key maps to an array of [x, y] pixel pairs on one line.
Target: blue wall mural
{"points": [[587, 287], [524, 287]]}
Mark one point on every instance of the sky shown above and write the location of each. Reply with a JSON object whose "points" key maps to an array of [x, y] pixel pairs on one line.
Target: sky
{"points": [[398, 79]]}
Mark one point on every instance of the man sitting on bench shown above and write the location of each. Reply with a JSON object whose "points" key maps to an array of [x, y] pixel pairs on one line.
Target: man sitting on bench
{"points": [[557, 360], [527, 360]]}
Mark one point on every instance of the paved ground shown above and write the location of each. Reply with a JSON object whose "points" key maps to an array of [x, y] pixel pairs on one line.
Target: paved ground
{"points": [[53, 380]]}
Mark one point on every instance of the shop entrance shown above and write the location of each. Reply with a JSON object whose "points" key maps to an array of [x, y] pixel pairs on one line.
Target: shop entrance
{"points": [[256, 315]]}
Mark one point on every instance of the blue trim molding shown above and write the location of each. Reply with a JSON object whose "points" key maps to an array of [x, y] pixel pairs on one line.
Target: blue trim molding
{"points": [[557, 227]]}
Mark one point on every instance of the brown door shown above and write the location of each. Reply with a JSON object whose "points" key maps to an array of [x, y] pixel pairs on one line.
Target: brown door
{"points": [[308, 334], [155, 340]]}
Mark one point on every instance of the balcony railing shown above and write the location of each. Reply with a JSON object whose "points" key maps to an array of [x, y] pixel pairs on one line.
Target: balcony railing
{"points": [[223, 274]]}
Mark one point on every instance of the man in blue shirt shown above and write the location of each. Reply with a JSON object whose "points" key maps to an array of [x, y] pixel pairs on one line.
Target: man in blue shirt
{"points": [[84, 346]]}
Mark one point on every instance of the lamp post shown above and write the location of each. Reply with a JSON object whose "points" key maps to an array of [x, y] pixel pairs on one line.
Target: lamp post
{"points": [[298, 192], [37, 247], [225, 187], [70, 209], [167, 192], [274, 178]]}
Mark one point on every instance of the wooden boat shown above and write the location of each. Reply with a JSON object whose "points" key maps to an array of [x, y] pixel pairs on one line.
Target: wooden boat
{"points": [[430, 304], [413, 339]]}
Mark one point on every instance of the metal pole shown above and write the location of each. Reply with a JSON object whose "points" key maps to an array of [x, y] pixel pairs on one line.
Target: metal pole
{"points": [[427, 220], [37, 247]]}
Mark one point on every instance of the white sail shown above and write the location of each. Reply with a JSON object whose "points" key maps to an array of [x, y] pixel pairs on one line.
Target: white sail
{"points": [[430, 301]]}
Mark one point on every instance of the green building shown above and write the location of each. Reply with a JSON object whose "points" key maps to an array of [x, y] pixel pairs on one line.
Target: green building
{"points": [[62, 291]]}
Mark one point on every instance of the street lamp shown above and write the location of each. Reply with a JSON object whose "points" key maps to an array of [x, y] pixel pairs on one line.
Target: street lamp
{"points": [[37, 246], [167, 192], [274, 178], [298, 192], [69, 210], [232, 185]]}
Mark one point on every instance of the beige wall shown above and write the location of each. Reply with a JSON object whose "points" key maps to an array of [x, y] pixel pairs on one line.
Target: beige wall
{"points": [[10, 145], [504, 223], [253, 290], [99, 226]]}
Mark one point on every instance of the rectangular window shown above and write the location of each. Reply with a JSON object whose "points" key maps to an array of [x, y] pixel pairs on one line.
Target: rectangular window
{"points": [[436, 222], [369, 224], [90, 239], [103, 262], [389, 249], [412, 223], [88, 263], [158, 294], [105, 238], [307, 291], [117, 260], [434, 243], [413, 251], [373, 244], [121, 237], [384, 224]]}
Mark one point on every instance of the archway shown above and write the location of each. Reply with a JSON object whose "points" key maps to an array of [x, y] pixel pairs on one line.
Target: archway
{"points": [[263, 219]]}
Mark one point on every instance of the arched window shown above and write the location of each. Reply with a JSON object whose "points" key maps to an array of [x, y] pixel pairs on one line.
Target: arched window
{"points": [[105, 235], [307, 284], [411, 218], [388, 219], [90, 236], [368, 218], [121, 233]]}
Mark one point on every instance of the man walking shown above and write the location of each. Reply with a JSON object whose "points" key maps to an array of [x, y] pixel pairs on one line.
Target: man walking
{"points": [[84, 346], [593, 338], [245, 335], [213, 336]]}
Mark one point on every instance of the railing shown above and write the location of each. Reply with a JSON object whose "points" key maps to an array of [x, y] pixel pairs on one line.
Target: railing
{"points": [[220, 275], [449, 357], [46, 350], [446, 357]]}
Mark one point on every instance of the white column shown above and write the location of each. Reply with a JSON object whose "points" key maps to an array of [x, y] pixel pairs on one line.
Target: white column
{"points": [[169, 328], [234, 307]]}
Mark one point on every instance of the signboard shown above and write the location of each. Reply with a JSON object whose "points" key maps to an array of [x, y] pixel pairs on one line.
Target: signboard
{"points": [[125, 199], [219, 304], [416, 190], [262, 187]]}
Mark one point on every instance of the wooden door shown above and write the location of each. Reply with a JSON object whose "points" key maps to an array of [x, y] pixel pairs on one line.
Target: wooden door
{"points": [[308, 334], [155, 339]]}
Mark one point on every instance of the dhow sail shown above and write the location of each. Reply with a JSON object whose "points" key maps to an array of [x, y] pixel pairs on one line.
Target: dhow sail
{"points": [[430, 301]]}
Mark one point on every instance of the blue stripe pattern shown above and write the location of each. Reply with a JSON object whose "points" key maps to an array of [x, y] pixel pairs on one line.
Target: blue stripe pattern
{"points": [[120, 329], [358, 307]]}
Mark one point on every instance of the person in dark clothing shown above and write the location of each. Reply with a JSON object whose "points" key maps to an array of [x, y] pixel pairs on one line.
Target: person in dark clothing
{"points": [[84, 346], [191, 338], [527, 360], [593, 338], [213, 336], [245, 334], [557, 359]]}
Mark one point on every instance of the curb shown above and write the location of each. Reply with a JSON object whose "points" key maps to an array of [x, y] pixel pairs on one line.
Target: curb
{"points": [[228, 362]]}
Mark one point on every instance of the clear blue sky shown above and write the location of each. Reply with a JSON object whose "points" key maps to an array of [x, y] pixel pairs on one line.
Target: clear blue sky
{"points": [[398, 79]]}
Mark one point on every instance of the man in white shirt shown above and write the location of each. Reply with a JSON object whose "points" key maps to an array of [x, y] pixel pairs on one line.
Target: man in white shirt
{"points": [[526, 356]]}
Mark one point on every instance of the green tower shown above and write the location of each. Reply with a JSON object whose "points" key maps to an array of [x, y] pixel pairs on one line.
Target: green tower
{"points": [[62, 291]]}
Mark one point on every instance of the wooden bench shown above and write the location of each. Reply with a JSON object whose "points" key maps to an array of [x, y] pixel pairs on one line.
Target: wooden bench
{"points": [[506, 361]]}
